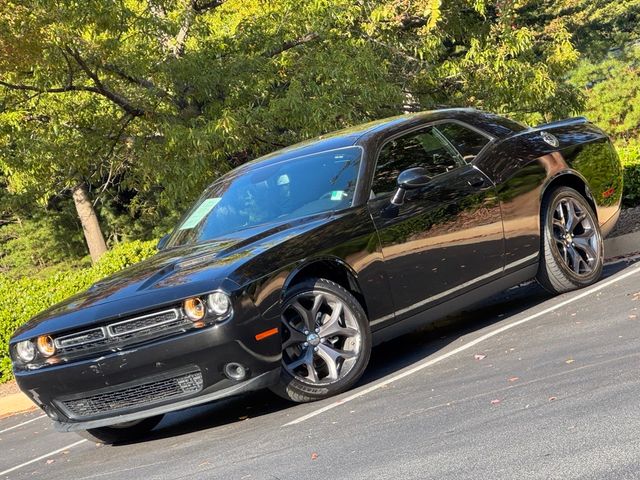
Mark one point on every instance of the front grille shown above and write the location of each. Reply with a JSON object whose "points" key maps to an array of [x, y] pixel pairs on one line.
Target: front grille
{"points": [[145, 394], [78, 339], [146, 322], [123, 332]]}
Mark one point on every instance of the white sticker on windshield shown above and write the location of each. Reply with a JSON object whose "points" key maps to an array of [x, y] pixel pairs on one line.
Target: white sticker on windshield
{"points": [[199, 213], [337, 195]]}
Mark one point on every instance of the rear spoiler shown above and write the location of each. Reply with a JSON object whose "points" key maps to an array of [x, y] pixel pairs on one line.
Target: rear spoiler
{"points": [[563, 123]]}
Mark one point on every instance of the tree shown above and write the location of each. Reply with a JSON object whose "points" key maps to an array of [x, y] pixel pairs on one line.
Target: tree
{"points": [[596, 25], [142, 103]]}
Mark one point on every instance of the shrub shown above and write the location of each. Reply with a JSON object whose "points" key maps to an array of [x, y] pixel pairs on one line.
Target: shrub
{"points": [[21, 299], [630, 157]]}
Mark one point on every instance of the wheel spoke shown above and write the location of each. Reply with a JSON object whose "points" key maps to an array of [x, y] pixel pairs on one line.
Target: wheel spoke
{"points": [[296, 337], [312, 374], [571, 217], [562, 222], [558, 223], [558, 235], [309, 315], [331, 357], [575, 259], [332, 326], [583, 242], [303, 359]]}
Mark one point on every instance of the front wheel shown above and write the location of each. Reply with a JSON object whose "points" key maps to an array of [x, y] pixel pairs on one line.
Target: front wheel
{"points": [[572, 250], [326, 341], [124, 432]]}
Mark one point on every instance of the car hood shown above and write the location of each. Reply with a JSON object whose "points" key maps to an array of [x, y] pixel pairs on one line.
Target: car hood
{"points": [[164, 279]]}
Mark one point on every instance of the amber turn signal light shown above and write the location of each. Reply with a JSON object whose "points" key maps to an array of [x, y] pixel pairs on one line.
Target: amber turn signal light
{"points": [[195, 308], [46, 346]]}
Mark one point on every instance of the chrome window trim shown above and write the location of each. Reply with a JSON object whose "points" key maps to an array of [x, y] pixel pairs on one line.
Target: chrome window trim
{"points": [[490, 141]]}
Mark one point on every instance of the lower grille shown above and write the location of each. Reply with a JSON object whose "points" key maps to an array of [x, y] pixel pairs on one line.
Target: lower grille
{"points": [[137, 396]]}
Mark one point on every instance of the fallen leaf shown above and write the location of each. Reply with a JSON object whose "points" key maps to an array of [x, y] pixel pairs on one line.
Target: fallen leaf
{"points": [[551, 399], [479, 356], [633, 316], [50, 461], [569, 361], [244, 417], [314, 456], [204, 463], [513, 379], [495, 402], [636, 296]]}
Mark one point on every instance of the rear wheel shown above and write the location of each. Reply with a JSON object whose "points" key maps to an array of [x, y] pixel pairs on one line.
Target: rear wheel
{"points": [[572, 251], [326, 341], [123, 432]]}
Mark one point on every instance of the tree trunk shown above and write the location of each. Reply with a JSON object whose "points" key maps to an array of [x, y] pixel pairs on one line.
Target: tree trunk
{"points": [[89, 220]]}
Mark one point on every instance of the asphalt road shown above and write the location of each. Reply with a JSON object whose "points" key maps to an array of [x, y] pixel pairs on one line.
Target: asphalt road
{"points": [[525, 386]]}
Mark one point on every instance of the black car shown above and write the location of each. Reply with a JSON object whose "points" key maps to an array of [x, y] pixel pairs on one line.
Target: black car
{"points": [[289, 268]]}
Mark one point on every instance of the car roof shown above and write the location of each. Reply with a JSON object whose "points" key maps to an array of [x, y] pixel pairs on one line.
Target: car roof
{"points": [[360, 134]]}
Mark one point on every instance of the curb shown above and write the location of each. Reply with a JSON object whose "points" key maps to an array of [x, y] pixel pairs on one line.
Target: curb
{"points": [[622, 245], [614, 247], [15, 403]]}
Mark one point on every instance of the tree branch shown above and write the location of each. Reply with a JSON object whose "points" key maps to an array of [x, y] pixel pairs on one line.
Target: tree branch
{"points": [[101, 89], [33, 88], [407, 22], [142, 82], [306, 38], [203, 7]]}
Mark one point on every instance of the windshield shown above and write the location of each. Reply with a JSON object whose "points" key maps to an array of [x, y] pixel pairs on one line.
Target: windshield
{"points": [[276, 192]]}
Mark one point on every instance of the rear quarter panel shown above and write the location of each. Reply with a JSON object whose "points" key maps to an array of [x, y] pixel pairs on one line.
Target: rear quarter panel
{"points": [[523, 166]]}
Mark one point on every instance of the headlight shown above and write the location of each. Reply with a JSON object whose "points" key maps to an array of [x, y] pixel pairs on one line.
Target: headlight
{"points": [[26, 351], [219, 303], [46, 346], [194, 308]]}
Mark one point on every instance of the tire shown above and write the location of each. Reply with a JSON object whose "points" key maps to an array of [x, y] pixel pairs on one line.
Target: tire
{"points": [[566, 263], [333, 354], [126, 432]]}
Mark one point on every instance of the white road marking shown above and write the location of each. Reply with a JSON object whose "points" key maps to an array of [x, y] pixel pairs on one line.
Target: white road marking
{"points": [[42, 457], [421, 366], [23, 423]]}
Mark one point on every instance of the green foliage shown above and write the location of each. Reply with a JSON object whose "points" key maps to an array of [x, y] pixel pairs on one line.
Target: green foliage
{"points": [[596, 25], [21, 299], [31, 246], [612, 90], [630, 157], [147, 102]]}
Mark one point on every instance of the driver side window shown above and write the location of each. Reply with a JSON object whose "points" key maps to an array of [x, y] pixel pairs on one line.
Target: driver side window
{"points": [[426, 148]]}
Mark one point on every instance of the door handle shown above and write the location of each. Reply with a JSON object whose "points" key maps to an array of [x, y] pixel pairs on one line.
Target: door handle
{"points": [[476, 182]]}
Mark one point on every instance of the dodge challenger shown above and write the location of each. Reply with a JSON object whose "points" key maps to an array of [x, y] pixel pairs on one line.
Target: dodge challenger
{"points": [[289, 268]]}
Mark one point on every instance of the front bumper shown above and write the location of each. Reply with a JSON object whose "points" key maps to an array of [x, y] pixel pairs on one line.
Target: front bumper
{"points": [[256, 383], [159, 377]]}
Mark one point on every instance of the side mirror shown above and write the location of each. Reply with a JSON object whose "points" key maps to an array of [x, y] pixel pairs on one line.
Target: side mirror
{"points": [[410, 179], [162, 242]]}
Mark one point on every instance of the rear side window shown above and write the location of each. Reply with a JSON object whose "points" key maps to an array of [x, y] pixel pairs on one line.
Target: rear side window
{"points": [[466, 141]]}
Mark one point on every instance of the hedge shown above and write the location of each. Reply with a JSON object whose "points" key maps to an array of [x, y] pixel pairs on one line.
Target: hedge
{"points": [[23, 298], [630, 157]]}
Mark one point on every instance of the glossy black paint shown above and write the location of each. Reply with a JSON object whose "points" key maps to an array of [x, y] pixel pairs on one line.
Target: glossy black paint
{"points": [[464, 235]]}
